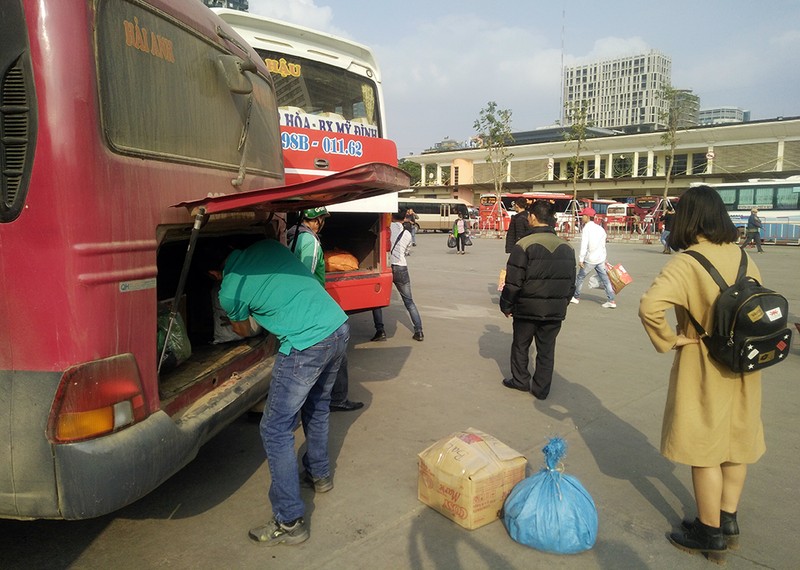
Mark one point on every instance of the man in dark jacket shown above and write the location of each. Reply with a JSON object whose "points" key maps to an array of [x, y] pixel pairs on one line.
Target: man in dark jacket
{"points": [[540, 281], [753, 230], [519, 226]]}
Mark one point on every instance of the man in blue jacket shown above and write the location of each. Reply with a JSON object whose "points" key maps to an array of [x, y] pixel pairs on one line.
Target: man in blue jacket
{"points": [[540, 280]]}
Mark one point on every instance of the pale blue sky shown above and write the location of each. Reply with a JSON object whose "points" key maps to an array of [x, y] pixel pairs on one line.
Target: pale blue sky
{"points": [[442, 61]]}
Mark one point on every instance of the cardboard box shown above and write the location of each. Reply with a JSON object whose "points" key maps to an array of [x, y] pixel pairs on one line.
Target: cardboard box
{"points": [[467, 476]]}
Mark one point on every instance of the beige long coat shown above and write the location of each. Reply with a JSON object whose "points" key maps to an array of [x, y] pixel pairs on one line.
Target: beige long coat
{"points": [[712, 415]]}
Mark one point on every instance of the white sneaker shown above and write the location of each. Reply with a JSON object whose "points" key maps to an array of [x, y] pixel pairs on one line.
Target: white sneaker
{"points": [[574, 300], [609, 305]]}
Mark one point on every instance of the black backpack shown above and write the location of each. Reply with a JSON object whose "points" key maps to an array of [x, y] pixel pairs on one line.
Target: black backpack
{"points": [[749, 331]]}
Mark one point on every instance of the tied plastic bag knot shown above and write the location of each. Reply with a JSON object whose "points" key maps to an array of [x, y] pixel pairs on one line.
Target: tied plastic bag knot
{"points": [[554, 452], [551, 511]]}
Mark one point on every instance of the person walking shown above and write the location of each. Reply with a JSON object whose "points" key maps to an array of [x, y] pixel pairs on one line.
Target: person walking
{"points": [[400, 239], [305, 243], [266, 281], [593, 256], [411, 219], [669, 215], [712, 418], [753, 232], [540, 279], [519, 226], [460, 231]]}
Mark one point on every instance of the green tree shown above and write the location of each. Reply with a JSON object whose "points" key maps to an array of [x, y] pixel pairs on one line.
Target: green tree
{"points": [[673, 115], [413, 169], [576, 114], [493, 129]]}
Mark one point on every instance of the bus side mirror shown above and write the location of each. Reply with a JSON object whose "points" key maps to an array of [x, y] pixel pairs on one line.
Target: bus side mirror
{"points": [[233, 70]]}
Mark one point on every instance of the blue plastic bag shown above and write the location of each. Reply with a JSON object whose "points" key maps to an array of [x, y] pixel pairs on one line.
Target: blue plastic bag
{"points": [[551, 511]]}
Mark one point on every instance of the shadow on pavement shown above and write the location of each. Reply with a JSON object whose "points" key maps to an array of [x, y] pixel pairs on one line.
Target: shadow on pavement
{"points": [[620, 450]]}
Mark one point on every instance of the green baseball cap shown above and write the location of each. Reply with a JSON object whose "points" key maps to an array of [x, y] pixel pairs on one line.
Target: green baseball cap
{"points": [[313, 213]]}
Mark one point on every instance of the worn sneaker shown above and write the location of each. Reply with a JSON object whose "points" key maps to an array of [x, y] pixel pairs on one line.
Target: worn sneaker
{"points": [[574, 300], [274, 533], [320, 484], [418, 336], [380, 336], [609, 305]]}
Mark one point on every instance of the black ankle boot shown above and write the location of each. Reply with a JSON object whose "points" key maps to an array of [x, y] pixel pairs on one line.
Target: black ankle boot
{"points": [[703, 539], [730, 528]]}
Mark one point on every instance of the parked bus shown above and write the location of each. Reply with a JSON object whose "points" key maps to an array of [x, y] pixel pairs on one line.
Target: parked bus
{"points": [[618, 216], [778, 203], [111, 114], [330, 103], [436, 214], [570, 219], [645, 215], [494, 216]]}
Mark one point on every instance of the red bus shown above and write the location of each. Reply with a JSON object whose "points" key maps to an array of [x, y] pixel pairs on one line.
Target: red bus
{"points": [[111, 113], [649, 210], [330, 103], [494, 216]]}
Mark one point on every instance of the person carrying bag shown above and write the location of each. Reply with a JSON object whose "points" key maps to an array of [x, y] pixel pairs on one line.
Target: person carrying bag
{"points": [[460, 234]]}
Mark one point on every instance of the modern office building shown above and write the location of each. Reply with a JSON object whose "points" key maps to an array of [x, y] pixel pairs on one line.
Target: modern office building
{"points": [[620, 92], [242, 5], [722, 115], [688, 107]]}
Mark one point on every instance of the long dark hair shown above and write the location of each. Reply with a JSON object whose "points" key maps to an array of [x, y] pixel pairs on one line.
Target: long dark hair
{"points": [[700, 211]]}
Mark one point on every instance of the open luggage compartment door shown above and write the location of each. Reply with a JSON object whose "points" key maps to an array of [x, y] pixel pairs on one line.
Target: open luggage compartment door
{"points": [[364, 181]]}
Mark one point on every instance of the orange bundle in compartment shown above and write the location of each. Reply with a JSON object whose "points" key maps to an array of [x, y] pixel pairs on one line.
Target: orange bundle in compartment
{"points": [[340, 260]]}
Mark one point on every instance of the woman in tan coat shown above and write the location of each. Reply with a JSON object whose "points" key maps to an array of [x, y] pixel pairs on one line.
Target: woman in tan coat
{"points": [[712, 419]]}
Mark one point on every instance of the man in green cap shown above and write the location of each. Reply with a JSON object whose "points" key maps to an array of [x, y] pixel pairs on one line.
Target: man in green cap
{"points": [[303, 240]]}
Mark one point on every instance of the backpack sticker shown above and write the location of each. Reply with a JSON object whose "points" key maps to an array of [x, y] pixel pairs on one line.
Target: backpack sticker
{"points": [[755, 315], [774, 314], [766, 357]]}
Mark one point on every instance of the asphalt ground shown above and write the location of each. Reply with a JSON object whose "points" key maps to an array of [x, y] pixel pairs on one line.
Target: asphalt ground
{"points": [[607, 402]]}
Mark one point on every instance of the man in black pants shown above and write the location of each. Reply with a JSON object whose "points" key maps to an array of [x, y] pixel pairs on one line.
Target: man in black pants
{"points": [[540, 281], [753, 230]]}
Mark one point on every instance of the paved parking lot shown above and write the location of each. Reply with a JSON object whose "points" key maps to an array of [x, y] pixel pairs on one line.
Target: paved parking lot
{"points": [[607, 400]]}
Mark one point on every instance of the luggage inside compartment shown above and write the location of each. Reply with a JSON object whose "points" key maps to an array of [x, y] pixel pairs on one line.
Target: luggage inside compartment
{"points": [[353, 232], [196, 309]]}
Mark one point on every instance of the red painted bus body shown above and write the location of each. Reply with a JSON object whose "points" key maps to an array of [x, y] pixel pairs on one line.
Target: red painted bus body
{"points": [[112, 112]]}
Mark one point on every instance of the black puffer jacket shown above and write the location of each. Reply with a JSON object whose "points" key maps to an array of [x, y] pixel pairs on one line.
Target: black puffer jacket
{"points": [[540, 277], [518, 228]]}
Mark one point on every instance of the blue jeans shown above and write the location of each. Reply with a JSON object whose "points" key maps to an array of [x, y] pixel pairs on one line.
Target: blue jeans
{"points": [[602, 273], [301, 384], [402, 282], [342, 385]]}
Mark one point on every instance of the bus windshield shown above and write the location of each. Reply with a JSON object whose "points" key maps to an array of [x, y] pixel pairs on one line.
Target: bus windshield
{"points": [[329, 94]]}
